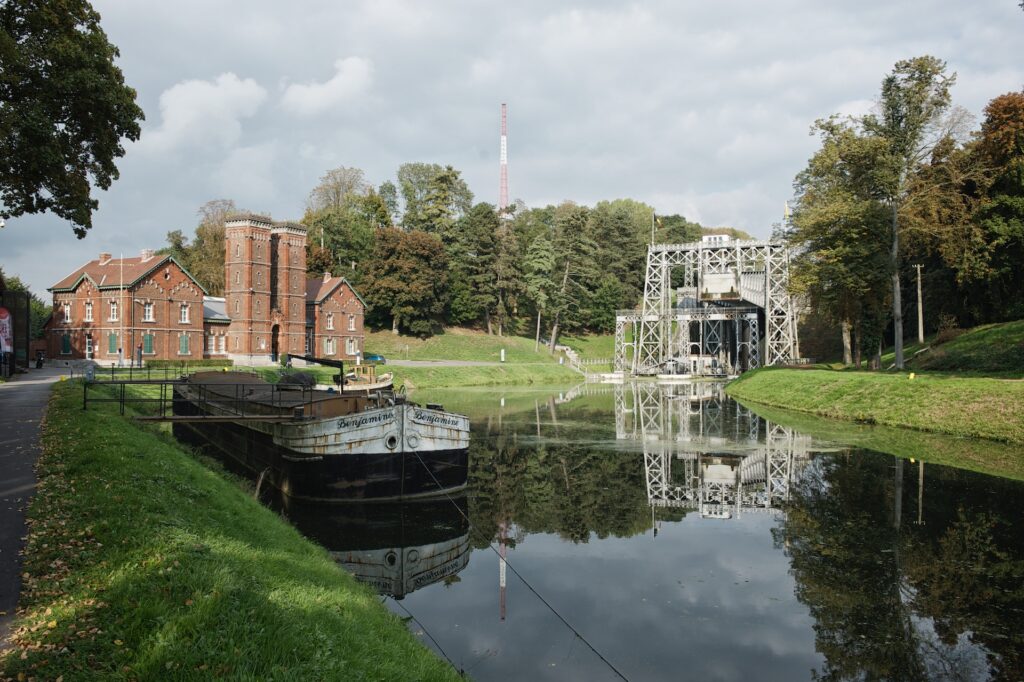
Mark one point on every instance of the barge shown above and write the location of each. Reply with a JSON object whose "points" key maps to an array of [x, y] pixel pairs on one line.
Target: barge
{"points": [[325, 445]]}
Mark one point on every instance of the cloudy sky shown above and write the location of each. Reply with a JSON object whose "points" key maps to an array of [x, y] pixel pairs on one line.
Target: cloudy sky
{"points": [[700, 108]]}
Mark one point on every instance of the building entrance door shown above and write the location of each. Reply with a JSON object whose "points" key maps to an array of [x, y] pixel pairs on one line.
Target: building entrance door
{"points": [[275, 340]]}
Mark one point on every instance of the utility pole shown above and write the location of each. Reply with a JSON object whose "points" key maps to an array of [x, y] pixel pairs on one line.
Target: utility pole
{"points": [[920, 310]]}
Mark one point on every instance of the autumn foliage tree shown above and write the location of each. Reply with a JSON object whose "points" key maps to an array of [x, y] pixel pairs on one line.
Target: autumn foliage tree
{"points": [[407, 281], [64, 110]]}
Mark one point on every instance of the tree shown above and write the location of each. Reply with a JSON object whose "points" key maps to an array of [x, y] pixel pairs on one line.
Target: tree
{"points": [[204, 257], [389, 195], [335, 187], [416, 181], [39, 311], [407, 280], [574, 266], [538, 267], [472, 260], [914, 99], [840, 229], [64, 110]]}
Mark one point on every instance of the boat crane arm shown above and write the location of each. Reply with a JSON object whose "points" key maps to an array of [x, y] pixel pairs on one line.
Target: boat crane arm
{"points": [[327, 362]]}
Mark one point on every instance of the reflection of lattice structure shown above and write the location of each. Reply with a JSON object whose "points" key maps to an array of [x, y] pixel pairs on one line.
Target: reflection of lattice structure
{"points": [[707, 453], [709, 323]]}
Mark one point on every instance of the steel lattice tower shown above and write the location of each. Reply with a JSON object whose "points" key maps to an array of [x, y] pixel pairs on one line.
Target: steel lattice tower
{"points": [[503, 190]]}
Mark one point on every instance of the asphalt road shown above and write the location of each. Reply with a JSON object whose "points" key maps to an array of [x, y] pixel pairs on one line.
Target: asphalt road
{"points": [[22, 405]]}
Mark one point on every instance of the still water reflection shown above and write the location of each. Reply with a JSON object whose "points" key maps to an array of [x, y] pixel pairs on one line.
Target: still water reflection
{"points": [[666, 532]]}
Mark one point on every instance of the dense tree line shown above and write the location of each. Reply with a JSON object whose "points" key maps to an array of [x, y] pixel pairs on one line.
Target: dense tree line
{"points": [[911, 184], [425, 256]]}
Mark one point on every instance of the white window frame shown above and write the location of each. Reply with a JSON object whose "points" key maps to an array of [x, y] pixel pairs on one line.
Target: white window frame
{"points": [[220, 344], [330, 321], [88, 311], [147, 312], [113, 311], [67, 312], [351, 323], [350, 346], [184, 315]]}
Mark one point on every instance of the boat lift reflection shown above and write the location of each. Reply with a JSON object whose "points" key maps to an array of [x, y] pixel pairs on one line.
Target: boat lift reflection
{"points": [[707, 453]]}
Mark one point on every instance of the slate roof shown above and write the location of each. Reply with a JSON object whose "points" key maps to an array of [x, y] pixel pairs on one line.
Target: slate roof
{"points": [[319, 288], [215, 309], [110, 275]]}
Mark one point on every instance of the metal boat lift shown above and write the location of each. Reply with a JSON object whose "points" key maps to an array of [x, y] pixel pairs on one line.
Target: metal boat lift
{"points": [[732, 313]]}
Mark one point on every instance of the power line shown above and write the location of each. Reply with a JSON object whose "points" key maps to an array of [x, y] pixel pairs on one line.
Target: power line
{"points": [[427, 633], [525, 582]]}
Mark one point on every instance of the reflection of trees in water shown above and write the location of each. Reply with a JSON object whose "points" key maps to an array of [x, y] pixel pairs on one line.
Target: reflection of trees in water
{"points": [[566, 488], [875, 582]]}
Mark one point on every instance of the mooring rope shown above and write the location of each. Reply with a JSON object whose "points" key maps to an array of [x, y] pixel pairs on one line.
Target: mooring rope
{"points": [[525, 582]]}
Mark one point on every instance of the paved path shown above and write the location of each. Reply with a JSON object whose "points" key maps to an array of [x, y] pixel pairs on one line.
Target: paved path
{"points": [[22, 404]]}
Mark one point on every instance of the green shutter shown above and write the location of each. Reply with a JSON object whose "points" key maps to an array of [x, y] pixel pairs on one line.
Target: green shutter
{"points": [[112, 343], [147, 343], [65, 343], [183, 344]]}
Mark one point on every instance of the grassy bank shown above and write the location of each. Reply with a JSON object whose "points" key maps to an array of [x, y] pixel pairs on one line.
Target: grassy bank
{"points": [[142, 563], [960, 406], [457, 344], [540, 374], [990, 349], [975, 454]]}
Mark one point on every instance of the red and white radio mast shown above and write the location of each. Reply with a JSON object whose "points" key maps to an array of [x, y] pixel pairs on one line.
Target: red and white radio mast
{"points": [[503, 191]]}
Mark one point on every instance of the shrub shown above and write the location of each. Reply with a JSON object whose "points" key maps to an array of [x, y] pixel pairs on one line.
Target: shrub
{"points": [[185, 364]]}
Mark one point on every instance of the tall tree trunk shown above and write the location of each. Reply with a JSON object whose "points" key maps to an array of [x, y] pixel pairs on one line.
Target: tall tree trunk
{"points": [[487, 315], [536, 343], [876, 362], [394, 323], [857, 345], [558, 313], [897, 303], [847, 354], [554, 335]]}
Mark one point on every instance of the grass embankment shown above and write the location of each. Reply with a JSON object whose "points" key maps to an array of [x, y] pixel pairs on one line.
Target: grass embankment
{"points": [[452, 377], [142, 563], [975, 454], [457, 343], [960, 406], [988, 349]]}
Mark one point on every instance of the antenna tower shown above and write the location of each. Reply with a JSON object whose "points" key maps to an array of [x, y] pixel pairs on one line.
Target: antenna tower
{"points": [[503, 191]]}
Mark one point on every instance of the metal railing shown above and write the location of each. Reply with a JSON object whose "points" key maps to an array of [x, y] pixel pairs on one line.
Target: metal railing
{"points": [[221, 401]]}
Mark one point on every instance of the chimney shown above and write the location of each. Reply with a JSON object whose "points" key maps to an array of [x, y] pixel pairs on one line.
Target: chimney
{"points": [[146, 254], [104, 258]]}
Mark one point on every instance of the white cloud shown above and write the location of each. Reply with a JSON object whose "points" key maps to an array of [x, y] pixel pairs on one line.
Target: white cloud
{"points": [[247, 176], [197, 112], [352, 78]]}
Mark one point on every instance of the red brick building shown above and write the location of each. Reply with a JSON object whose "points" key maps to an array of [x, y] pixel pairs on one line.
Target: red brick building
{"points": [[111, 308], [264, 287], [334, 318]]}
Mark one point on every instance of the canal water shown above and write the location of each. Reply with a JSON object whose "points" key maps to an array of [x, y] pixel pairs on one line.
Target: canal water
{"points": [[650, 532]]}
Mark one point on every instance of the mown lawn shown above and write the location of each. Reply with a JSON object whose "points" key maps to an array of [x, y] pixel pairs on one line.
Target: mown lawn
{"points": [[962, 406], [991, 348], [456, 344], [142, 563]]}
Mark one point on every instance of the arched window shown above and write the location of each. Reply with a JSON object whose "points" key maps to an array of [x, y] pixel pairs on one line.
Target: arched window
{"points": [[183, 315], [330, 320], [238, 250]]}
